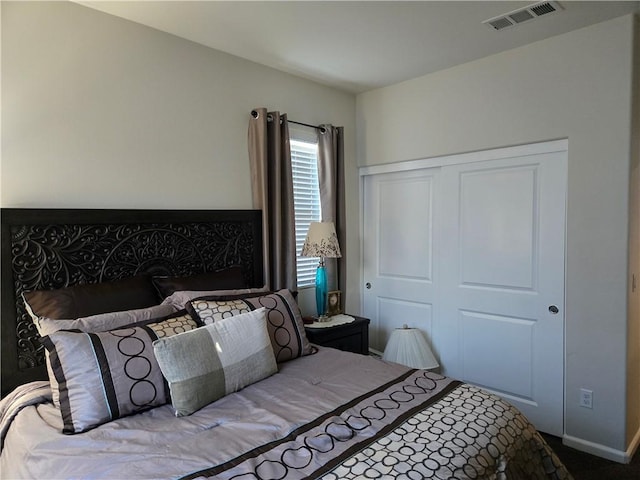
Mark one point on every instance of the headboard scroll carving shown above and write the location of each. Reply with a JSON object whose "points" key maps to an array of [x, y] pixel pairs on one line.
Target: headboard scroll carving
{"points": [[49, 249]]}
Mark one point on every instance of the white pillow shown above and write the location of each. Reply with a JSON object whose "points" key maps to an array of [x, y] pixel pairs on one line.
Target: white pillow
{"points": [[103, 321]]}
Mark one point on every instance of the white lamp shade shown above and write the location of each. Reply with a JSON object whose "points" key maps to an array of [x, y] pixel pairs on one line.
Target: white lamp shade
{"points": [[408, 346], [321, 241]]}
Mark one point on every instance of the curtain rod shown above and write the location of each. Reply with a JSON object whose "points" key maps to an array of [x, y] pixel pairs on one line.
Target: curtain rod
{"points": [[254, 114], [317, 127]]}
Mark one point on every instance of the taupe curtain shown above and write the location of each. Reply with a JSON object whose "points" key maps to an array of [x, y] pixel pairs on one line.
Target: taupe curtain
{"points": [[332, 198], [272, 184]]}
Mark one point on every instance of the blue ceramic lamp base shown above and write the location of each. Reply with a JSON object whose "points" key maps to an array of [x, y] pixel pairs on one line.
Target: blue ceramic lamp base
{"points": [[321, 291]]}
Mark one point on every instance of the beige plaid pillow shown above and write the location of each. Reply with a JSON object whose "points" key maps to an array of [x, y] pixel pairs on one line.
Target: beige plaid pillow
{"points": [[210, 362]]}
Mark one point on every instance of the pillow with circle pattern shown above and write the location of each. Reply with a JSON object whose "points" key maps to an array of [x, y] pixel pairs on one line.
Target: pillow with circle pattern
{"points": [[284, 320], [98, 377]]}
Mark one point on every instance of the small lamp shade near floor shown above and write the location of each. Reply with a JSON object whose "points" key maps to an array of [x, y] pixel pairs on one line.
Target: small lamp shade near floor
{"points": [[409, 347]]}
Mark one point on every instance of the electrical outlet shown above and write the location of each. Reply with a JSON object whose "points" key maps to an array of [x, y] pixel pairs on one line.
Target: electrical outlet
{"points": [[586, 398]]}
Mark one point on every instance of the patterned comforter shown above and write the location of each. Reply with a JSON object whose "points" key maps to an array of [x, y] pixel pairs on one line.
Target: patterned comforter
{"points": [[332, 415]]}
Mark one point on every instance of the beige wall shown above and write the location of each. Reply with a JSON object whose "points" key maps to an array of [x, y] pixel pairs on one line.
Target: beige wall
{"points": [[102, 112], [575, 86], [633, 336]]}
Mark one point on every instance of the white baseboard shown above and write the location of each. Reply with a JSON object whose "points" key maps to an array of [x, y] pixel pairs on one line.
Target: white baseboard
{"points": [[609, 453], [375, 353]]}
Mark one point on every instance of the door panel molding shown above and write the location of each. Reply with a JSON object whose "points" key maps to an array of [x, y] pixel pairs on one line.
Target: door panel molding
{"points": [[511, 365], [487, 230], [416, 199], [393, 313]]}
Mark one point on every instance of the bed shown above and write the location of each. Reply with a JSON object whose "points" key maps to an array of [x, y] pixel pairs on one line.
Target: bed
{"points": [[213, 377]]}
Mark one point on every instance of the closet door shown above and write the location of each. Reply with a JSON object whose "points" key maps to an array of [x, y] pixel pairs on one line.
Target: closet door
{"points": [[472, 253], [501, 319], [400, 275]]}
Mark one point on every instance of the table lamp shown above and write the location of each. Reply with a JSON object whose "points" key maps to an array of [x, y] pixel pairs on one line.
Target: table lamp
{"points": [[322, 242], [408, 346]]}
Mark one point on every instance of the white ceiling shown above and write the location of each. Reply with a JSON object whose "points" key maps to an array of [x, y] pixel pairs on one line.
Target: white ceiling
{"points": [[357, 45]]}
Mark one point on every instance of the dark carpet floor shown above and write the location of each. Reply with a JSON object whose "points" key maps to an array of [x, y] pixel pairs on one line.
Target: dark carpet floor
{"points": [[589, 467]]}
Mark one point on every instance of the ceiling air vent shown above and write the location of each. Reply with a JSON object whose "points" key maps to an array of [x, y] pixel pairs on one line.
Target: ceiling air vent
{"points": [[522, 15]]}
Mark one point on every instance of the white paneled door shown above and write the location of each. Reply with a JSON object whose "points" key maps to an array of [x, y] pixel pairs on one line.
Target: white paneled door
{"points": [[472, 252], [399, 252]]}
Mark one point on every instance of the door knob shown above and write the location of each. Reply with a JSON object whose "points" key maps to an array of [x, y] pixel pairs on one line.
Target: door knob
{"points": [[368, 285], [553, 309]]}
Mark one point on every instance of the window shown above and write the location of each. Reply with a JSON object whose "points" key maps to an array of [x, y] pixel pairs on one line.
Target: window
{"points": [[306, 197]]}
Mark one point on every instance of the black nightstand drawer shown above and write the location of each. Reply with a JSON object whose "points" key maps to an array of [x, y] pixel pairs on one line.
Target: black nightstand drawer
{"points": [[350, 337]]}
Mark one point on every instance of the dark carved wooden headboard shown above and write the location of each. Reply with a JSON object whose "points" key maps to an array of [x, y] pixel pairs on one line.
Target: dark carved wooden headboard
{"points": [[55, 248]]}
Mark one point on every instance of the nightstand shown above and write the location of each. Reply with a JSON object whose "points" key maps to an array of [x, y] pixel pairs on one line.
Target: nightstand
{"points": [[350, 337]]}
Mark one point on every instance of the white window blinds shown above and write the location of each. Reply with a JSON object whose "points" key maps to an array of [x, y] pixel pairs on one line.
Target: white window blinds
{"points": [[306, 199]]}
